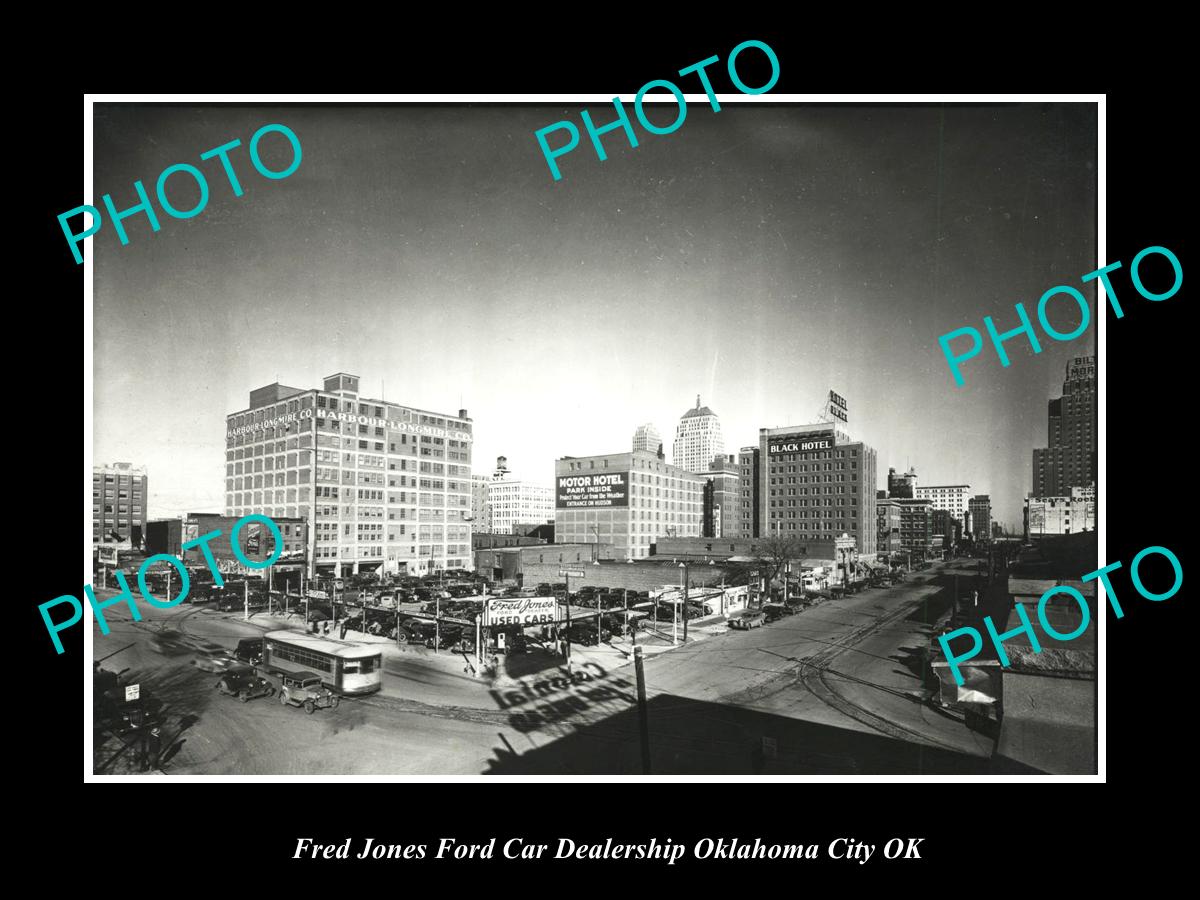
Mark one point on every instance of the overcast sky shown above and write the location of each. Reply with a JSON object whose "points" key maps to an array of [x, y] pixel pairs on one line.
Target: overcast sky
{"points": [[759, 257]]}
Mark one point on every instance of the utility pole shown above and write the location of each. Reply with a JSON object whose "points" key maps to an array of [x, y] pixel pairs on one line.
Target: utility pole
{"points": [[568, 581], [643, 718], [246, 600], [685, 601], [437, 621]]}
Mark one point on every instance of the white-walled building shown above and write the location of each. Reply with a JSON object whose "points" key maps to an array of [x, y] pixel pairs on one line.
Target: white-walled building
{"points": [[698, 439], [954, 498], [646, 437], [504, 501]]}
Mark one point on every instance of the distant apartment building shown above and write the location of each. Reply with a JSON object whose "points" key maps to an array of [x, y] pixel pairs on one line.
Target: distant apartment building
{"points": [[954, 498], [119, 496], [647, 438], [625, 501], [698, 439], [902, 486], [502, 502]]}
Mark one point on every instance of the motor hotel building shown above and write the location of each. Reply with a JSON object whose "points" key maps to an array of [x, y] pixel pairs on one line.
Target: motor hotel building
{"points": [[382, 485], [627, 500]]}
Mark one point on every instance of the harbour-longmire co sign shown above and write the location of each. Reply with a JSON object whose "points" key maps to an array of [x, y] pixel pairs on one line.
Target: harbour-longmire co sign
{"points": [[520, 611]]}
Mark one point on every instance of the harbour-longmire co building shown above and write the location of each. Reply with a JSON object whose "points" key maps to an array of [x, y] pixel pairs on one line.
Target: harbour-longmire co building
{"points": [[626, 500], [381, 485]]}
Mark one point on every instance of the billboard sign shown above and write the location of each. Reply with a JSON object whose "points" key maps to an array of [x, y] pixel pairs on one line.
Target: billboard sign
{"points": [[599, 489], [800, 443], [520, 611], [106, 555], [837, 406]]}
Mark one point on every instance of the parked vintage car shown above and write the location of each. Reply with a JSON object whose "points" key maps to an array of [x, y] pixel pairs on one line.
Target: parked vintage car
{"points": [[774, 611], [746, 619], [114, 713], [305, 689]]}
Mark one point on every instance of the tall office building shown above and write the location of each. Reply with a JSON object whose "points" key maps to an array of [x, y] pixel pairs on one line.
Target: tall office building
{"points": [[697, 439], [916, 527], [981, 517], [382, 485], [1070, 459], [817, 484], [118, 504], [646, 437], [626, 500], [722, 498], [749, 498], [481, 512]]}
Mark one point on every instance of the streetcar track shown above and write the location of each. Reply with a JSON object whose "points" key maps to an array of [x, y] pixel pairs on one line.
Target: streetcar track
{"points": [[812, 675]]}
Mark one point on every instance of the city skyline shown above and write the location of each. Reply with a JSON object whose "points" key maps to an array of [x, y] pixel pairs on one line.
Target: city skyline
{"points": [[444, 269]]}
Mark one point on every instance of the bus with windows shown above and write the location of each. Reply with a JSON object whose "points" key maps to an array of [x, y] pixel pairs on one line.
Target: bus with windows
{"points": [[343, 666]]}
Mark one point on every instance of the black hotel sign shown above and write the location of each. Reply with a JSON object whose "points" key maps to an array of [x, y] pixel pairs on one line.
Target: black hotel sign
{"points": [[800, 443]]}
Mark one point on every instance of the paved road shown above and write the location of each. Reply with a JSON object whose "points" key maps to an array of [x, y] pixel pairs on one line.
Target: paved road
{"points": [[835, 689]]}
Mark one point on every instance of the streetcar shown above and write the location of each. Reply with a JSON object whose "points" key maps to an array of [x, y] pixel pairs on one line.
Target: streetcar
{"points": [[345, 667]]}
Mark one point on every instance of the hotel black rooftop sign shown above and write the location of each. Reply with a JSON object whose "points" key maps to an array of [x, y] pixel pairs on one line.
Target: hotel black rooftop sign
{"points": [[800, 443], [599, 489]]}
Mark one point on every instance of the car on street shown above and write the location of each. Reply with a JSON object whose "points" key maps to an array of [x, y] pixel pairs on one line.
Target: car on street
{"points": [[775, 611], [249, 650], [747, 618], [170, 643], [245, 684], [305, 689], [211, 658]]}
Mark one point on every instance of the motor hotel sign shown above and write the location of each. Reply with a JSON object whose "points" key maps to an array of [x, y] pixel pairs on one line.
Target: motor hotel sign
{"points": [[594, 490]]}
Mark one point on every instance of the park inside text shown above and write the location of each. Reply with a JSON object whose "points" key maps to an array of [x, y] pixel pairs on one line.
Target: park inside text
{"points": [[126, 595], [954, 361], [1027, 627]]}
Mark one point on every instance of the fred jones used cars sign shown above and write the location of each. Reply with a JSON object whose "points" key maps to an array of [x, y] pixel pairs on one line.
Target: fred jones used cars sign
{"points": [[521, 611]]}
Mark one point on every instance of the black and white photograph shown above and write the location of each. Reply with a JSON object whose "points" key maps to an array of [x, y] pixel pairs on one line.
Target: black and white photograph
{"points": [[487, 438]]}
